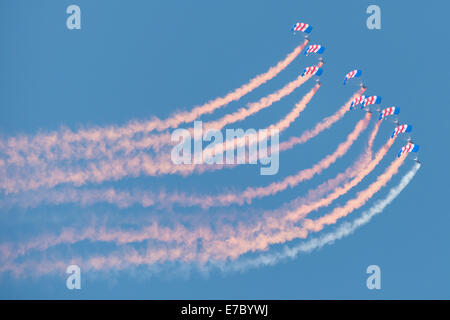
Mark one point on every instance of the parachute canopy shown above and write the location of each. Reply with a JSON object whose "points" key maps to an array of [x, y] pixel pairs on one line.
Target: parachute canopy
{"points": [[371, 100], [388, 112], [312, 70], [315, 48], [357, 101], [410, 147], [303, 27], [352, 74], [401, 129]]}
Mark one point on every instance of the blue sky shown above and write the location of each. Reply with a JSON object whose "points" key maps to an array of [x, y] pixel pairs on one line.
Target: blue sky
{"points": [[137, 59]]}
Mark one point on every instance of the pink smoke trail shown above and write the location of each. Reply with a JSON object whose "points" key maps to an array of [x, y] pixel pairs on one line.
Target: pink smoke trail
{"points": [[181, 234], [124, 238], [213, 250], [289, 182], [50, 175], [321, 126], [233, 247], [213, 247], [141, 163], [356, 203], [255, 138], [363, 172], [158, 141], [125, 199], [44, 143]]}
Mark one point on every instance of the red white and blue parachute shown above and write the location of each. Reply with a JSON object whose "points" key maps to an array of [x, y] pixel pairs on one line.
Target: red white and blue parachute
{"points": [[352, 74], [312, 70], [410, 147], [371, 100], [315, 48], [303, 27], [388, 112], [356, 101], [401, 129]]}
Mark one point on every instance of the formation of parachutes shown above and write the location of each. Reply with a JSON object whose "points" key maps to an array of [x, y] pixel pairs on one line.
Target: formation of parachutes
{"points": [[362, 100]]}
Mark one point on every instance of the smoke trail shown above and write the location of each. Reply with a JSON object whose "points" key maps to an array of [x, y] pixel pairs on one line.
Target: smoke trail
{"points": [[218, 245], [22, 149], [231, 242], [129, 145], [321, 126], [181, 234], [289, 182], [254, 138], [124, 198], [345, 229], [115, 168], [190, 116], [372, 139], [245, 112], [359, 201], [350, 172], [359, 175], [284, 225], [90, 233], [158, 141], [247, 240], [264, 102]]}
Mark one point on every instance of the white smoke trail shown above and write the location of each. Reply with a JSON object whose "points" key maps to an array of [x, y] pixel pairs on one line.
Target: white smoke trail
{"points": [[344, 230]]}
